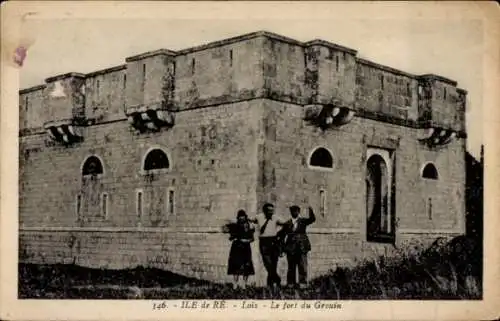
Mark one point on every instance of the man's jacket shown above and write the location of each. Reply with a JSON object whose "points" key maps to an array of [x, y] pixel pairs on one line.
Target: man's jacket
{"points": [[295, 240]]}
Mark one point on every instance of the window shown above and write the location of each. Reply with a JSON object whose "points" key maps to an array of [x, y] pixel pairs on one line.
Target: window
{"points": [[143, 80], [382, 81], [104, 205], [378, 201], [231, 57], [26, 108], [78, 206], [193, 66], [92, 166], [430, 172], [337, 63], [98, 89], [322, 202], [444, 94], [170, 201], [321, 158], [124, 81], [408, 89], [139, 202], [156, 159], [429, 208]]}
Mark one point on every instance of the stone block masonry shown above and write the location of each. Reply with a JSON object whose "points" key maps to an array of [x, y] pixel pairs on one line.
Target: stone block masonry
{"points": [[180, 141]]}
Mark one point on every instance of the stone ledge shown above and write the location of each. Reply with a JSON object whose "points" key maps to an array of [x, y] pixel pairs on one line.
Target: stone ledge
{"points": [[429, 231], [105, 71], [151, 54], [360, 113], [168, 229], [318, 230], [320, 42], [66, 75], [30, 89]]}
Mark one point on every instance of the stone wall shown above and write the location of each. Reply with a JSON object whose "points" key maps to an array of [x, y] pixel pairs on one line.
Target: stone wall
{"points": [[289, 179], [203, 148], [236, 156], [260, 65], [104, 95], [31, 104], [386, 91], [239, 140]]}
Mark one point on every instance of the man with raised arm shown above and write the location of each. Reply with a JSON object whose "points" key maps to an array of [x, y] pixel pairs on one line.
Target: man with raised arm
{"points": [[297, 245]]}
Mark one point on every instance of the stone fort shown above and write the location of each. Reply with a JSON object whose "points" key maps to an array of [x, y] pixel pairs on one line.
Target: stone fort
{"points": [[143, 163]]}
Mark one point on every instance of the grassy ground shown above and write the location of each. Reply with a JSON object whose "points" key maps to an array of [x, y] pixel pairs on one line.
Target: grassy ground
{"points": [[443, 271]]}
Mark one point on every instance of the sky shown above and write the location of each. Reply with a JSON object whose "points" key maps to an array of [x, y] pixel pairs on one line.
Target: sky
{"points": [[417, 44]]}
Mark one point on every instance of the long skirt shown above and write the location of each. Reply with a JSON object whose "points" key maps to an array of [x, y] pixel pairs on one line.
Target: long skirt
{"points": [[240, 259]]}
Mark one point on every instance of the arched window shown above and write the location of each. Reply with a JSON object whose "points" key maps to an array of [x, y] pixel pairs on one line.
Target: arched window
{"points": [[92, 166], [156, 159], [321, 158], [430, 171]]}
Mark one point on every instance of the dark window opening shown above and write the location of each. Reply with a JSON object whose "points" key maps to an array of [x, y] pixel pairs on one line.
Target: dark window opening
{"points": [[379, 221], [322, 200], [104, 205], [78, 205], [193, 66], [429, 208], [124, 81], [171, 202], [156, 159], [92, 166], [382, 81], [98, 89], [337, 63], [231, 57], [430, 172], [445, 94], [321, 158], [26, 110], [143, 80], [408, 89], [138, 203]]}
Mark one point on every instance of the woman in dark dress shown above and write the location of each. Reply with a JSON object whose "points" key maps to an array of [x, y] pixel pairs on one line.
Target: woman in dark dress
{"points": [[240, 256]]}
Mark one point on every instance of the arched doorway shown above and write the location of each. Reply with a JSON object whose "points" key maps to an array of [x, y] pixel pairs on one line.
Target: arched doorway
{"points": [[380, 219], [88, 203], [155, 202]]}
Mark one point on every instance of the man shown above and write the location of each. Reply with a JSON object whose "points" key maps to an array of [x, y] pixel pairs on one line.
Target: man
{"points": [[269, 245], [297, 245]]}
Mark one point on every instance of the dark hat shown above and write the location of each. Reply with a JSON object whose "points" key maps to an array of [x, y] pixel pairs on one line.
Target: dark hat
{"points": [[266, 206]]}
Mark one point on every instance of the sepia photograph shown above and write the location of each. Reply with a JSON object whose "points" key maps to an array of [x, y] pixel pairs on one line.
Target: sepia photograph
{"points": [[252, 163]]}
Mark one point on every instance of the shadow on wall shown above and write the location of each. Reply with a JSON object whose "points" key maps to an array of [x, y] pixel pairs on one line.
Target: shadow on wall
{"points": [[474, 207], [474, 195]]}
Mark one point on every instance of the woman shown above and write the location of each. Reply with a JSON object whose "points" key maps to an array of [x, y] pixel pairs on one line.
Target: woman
{"points": [[240, 256]]}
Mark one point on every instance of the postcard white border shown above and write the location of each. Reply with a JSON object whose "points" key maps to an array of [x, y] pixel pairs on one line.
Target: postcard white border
{"points": [[12, 15]]}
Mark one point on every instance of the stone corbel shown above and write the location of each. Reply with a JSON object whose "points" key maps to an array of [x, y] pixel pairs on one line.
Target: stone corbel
{"points": [[152, 119], [436, 136], [326, 116], [64, 132]]}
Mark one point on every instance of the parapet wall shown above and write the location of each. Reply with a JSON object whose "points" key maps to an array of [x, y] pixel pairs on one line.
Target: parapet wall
{"points": [[256, 65]]}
